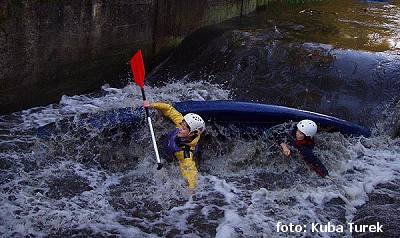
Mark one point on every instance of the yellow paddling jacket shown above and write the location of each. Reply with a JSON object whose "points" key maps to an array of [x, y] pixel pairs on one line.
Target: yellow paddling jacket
{"points": [[187, 166]]}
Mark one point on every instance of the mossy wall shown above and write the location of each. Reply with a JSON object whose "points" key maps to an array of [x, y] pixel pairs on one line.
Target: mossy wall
{"points": [[50, 48]]}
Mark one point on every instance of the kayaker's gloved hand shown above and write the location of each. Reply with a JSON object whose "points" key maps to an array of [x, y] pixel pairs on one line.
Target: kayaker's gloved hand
{"points": [[147, 104]]}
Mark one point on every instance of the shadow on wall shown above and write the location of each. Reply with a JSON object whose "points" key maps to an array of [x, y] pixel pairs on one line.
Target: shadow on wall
{"points": [[51, 48]]}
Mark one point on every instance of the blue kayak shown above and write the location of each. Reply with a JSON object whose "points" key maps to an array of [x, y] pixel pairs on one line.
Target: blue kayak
{"points": [[264, 115], [225, 113]]}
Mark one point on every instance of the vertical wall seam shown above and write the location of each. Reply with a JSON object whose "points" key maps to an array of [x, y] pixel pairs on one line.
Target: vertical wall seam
{"points": [[241, 10], [154, 46]]}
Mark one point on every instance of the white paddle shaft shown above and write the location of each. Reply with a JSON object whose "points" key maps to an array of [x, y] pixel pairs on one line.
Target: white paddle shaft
{"points": [[153, 138]]}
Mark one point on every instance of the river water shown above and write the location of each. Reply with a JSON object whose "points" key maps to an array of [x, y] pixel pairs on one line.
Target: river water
{"points": [[335, 57]]}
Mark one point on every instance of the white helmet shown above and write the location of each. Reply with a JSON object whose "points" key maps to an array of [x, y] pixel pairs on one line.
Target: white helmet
{"points": [[195, 122], [307, 127]]}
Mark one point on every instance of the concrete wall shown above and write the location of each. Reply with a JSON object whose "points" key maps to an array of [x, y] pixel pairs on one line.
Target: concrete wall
{"points": [[49, 48]]}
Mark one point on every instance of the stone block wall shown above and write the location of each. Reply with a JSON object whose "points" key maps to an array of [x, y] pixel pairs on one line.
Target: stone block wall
{"points": [[49, 48]]}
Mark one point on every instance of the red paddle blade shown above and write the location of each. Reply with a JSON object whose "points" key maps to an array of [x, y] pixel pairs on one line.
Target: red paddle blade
{"points": [[137, 67]]}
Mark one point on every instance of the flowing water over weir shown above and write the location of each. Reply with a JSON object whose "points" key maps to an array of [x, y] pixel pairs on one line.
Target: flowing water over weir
{"points": [[85, 182]]}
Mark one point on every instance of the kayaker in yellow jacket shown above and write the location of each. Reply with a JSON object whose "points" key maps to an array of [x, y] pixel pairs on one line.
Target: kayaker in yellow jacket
{"points": [[181, 143]]}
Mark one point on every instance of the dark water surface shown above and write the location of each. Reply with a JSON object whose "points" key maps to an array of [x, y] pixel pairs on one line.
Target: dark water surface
{"points": [[334, 57]]}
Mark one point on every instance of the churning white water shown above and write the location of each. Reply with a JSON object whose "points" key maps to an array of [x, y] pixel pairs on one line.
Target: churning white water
{"points": [[96, 184]]}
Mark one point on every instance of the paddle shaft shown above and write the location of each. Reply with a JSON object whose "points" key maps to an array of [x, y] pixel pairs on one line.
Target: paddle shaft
{"points": [[138, 71], [153, 138]]}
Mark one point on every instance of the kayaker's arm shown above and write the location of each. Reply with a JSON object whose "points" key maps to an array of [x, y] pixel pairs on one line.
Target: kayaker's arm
{"points": [[168, 111], [308, 155]]}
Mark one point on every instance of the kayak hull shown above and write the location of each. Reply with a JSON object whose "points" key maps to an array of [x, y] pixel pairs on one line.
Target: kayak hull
{"points": [[264, 115], [239, 114]]}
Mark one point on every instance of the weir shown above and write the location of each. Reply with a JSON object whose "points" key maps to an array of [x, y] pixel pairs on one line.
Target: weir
{"points": [[52, 48], [338, 58]]}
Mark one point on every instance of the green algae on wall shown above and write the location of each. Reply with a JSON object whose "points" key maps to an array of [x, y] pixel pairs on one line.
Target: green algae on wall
{"points": [[52, 48]]}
